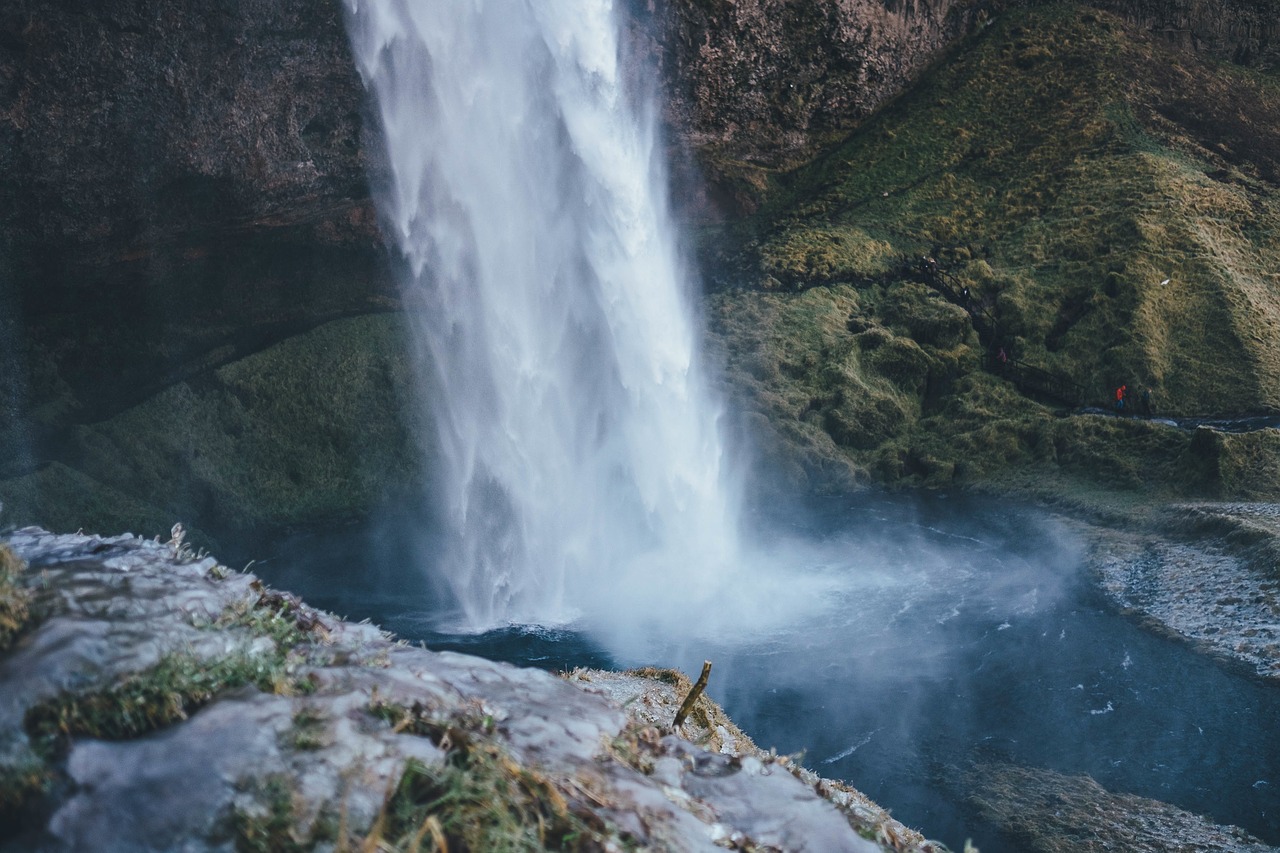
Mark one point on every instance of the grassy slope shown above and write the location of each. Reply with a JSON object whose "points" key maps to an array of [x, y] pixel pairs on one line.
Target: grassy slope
{"points": [[308, 429], [1063, 167]]}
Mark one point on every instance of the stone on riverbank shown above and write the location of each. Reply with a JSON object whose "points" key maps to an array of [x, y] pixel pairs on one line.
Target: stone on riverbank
{"points": [[1053, 813], [1202, 593]]}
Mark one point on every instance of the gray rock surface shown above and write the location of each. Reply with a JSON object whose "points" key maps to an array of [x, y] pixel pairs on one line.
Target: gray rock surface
{"points": [[108, 610], [1201, 592], [1055, 813]]}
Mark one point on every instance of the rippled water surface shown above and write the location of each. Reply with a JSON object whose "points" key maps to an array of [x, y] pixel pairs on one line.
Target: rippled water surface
{"points": [[954, 633]]}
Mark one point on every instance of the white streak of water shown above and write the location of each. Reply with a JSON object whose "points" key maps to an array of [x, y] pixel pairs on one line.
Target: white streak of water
{"points": [[584, 471]]}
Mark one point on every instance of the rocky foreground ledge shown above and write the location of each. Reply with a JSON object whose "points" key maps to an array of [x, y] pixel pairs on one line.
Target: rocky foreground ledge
{"points": [[151, 698]]}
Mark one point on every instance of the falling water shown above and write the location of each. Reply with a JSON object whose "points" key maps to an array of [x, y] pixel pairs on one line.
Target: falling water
{"points": [[548, 297]]}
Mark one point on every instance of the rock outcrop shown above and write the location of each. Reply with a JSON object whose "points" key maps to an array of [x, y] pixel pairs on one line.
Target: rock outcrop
{"points": [[1055, 813], [156, 699], [178, 186], [1220, 593], [755, 86], [1246, 32]]}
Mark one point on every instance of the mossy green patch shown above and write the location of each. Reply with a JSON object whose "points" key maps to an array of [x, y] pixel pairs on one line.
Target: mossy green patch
{"points": [[479, 798], [14, 598], [24, 779], [179, 683], [159, 696], [317, 426], [795, 259], [1061, 167], [61, 498]]}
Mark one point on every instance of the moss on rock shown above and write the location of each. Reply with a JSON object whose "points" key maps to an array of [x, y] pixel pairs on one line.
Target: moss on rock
{"points": [[14, 598], [316, 426], [1059, 167]]}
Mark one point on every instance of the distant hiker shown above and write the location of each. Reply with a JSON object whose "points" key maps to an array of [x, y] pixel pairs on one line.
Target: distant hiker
{"points": [[1003, 356], [1147, 407], [964, 294], [1121, 393], [931, 269]]}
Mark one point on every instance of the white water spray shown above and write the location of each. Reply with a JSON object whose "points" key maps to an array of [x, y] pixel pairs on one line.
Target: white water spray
{"points": [[583, 465]]}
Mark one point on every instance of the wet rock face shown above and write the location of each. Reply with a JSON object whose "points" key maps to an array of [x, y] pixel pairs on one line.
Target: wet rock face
{"points": [[128, 122], [174, 178], [764, 82], [1055, 813]]}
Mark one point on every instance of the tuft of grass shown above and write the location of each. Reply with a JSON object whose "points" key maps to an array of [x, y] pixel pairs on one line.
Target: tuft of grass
{"points": [[23, 781], [14, 598], [479, 798], [271, 823], [309, 730], [177, 685], [162, 695]]}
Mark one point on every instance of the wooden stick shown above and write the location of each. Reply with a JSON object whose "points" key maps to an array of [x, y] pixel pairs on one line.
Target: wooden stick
{"points": [[689, 700]]}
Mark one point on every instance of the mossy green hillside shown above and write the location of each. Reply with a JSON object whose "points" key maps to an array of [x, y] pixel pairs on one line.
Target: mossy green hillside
{"points": [[313, 427], [59, 497], [1110, 200]]}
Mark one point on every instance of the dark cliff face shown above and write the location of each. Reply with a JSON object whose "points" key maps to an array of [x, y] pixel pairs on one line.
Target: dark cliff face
{"points": [[757, 86], [183, 183], [1246, 32], [179, 182]]}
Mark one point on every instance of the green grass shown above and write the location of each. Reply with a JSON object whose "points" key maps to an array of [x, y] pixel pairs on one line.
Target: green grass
{"points": [[479, 798], [270, 823], [1093, 189], [178, 684], [161, 695]]}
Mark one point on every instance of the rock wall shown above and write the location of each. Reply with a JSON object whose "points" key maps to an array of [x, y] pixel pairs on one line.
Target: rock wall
{"points": [[179, 183], [1246, 32], [758, 85]]}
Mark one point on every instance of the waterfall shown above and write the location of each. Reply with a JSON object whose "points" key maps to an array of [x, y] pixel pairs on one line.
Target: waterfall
{"points": [[583, 470]]}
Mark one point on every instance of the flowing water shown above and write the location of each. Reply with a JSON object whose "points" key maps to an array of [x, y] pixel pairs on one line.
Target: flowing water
{"points": [[580, 456]]}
